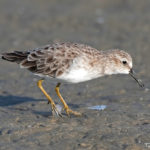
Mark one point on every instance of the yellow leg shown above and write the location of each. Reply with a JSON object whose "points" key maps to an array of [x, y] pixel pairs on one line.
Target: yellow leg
{"points": [[54, 109], [66, 107]]}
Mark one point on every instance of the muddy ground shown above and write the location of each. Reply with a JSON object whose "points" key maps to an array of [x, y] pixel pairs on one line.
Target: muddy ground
{"points": [[25, 118]]}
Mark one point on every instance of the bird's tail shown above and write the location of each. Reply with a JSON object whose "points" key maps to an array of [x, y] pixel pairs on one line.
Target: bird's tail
{"points": [[16, 56]]}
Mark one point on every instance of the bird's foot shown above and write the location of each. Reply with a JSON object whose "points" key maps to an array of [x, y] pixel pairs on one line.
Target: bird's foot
{"points": [[69, 111]]}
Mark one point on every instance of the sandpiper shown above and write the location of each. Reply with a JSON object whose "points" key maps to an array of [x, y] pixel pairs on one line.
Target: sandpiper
{"points": [[71, 62]]}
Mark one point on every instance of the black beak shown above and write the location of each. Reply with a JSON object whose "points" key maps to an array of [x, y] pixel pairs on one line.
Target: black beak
{"points": [[132, 74]]}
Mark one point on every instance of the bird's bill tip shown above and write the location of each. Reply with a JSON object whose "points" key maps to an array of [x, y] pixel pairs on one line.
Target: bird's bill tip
{"points": [[132, 74]]}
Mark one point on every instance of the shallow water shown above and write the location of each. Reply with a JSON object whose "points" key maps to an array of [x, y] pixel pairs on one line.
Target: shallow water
{"points": [[25, 118]]}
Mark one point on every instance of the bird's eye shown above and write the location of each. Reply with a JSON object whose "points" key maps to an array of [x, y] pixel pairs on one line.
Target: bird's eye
{"points": [[124, 62]]}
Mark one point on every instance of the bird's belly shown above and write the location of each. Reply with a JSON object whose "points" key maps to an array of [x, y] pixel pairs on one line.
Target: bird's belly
{"points": [[78, 75]]}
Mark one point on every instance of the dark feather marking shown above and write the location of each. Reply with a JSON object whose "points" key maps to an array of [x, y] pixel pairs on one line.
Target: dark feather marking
{"points": [[23, 54], [47, 47], [40, 66], [42, 60], [39, 53], [27, 63], [60, 54], [33, 69], [34, 55], [59, 72], [13, 57], [40, 71], [53, 73], [49, 59], [47, 70]]}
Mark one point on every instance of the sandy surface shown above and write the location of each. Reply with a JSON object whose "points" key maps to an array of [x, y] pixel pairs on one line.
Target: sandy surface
{"points": [[25, 118]]}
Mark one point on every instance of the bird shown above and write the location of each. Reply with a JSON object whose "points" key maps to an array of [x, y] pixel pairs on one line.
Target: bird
{"points": [[71, 63]]}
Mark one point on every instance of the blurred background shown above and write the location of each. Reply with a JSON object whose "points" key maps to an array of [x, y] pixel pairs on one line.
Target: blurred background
{"points": [[102, 24]]}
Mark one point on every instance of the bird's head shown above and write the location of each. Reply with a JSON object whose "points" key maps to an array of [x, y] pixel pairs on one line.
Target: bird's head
{"points": [[123, 64]]}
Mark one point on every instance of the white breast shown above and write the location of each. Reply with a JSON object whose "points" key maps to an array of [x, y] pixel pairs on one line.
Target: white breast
{"points": [[77, 74]]}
